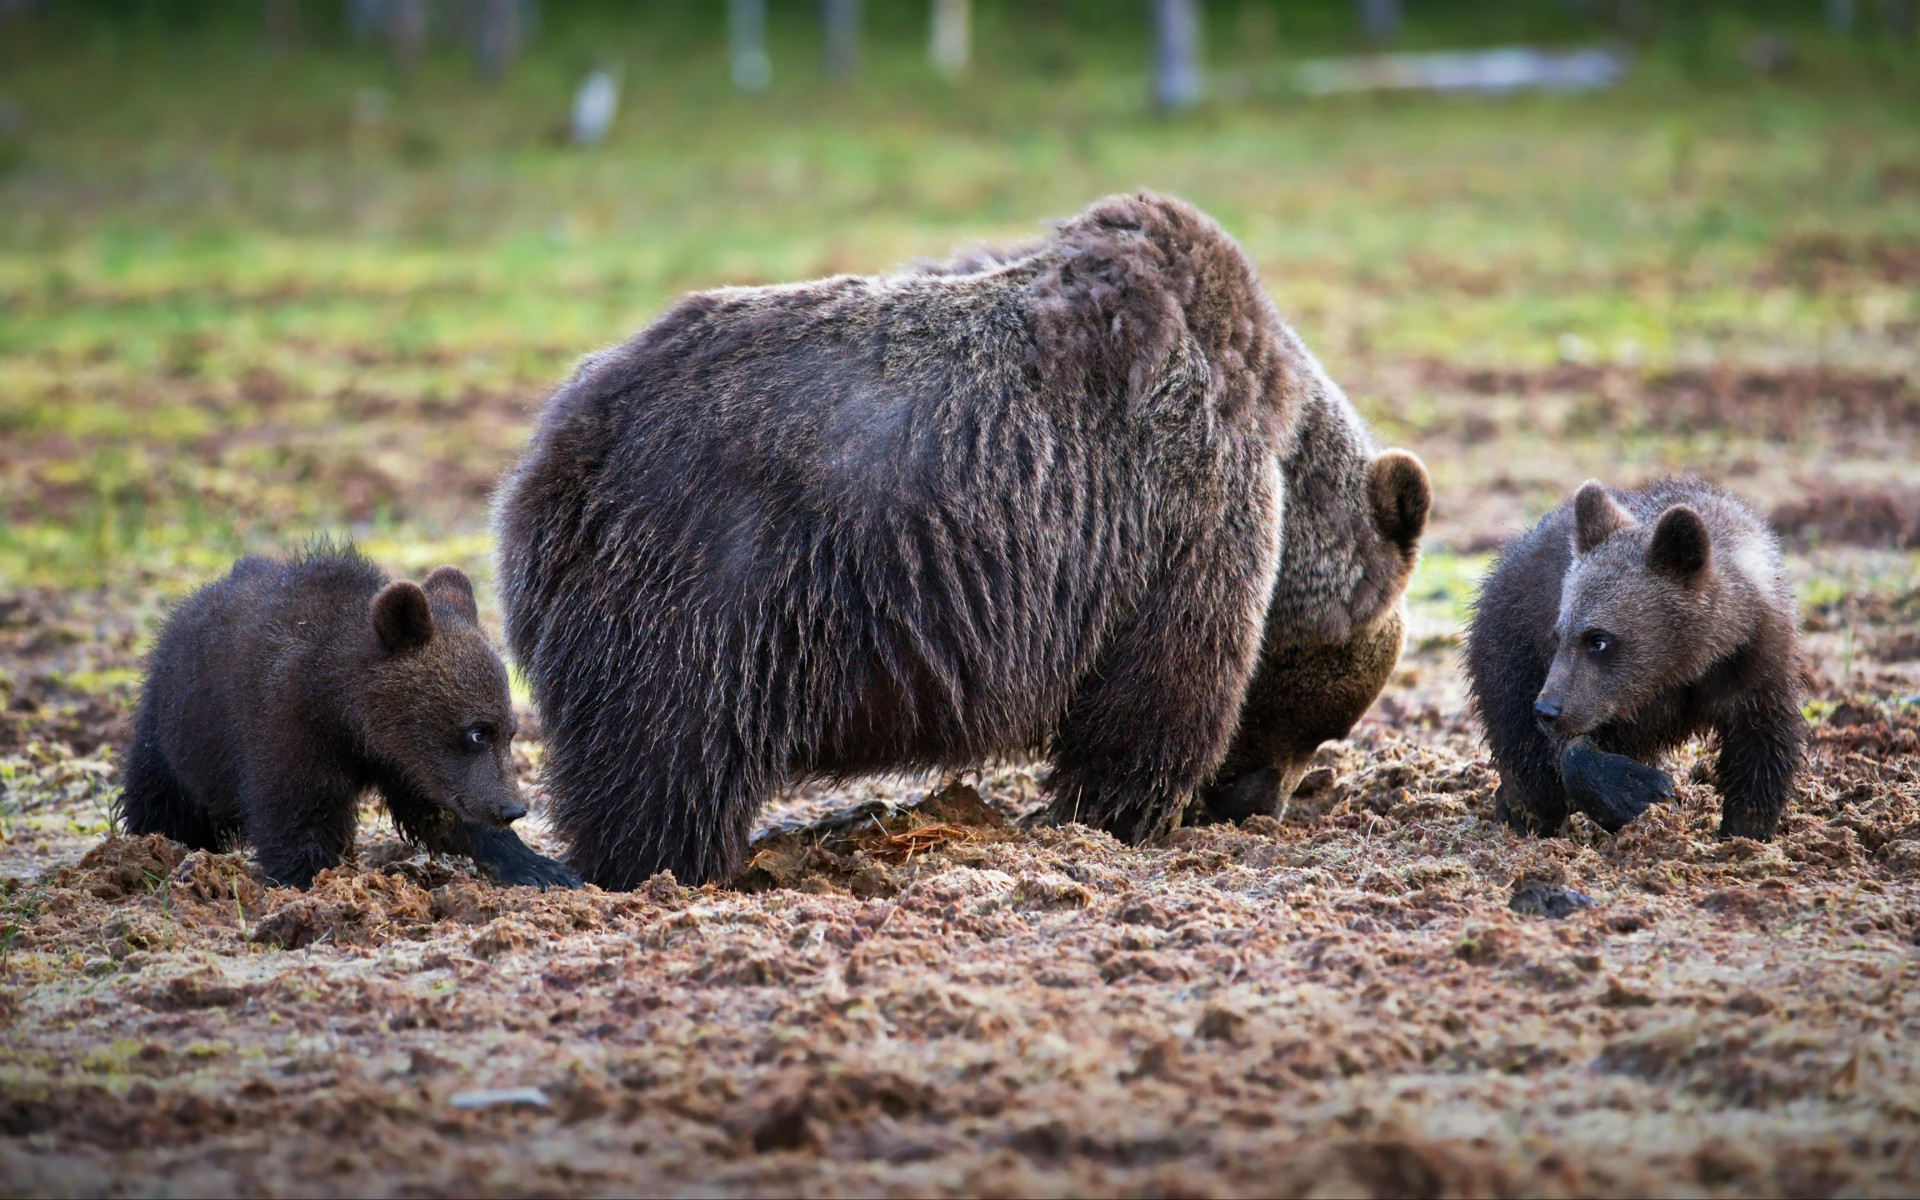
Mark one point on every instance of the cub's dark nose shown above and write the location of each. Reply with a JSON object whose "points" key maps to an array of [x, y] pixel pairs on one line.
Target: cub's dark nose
{"points": [[512, 812], [1547, 710]]}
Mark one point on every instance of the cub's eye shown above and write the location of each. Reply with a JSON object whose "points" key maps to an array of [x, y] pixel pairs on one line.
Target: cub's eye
{"points": [[479, 737], [1598, 641]]}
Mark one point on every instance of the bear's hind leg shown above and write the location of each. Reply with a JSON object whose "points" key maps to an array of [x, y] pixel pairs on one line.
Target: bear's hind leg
{"points": [[629, 808], [153, 800], [1154, 719]]}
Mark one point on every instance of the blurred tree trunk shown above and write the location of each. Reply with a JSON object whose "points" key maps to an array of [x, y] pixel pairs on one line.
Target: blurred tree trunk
{"points": [[949, 38], [497, 36], [747, 44], [842, 20], [1176, 53], [1900, 19], [1379, 20], [406, 22], [364, 18], [1840, 16], [282, 21]]}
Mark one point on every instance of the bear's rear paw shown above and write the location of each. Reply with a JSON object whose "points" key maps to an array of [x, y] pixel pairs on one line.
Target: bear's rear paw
{"points": [[1758, 830], [1611, 788]]}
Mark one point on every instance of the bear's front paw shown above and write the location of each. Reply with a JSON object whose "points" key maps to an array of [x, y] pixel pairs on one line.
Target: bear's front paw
{"points": [[533, 870], [1521, 812], [1611, 788], [1252, 793]]}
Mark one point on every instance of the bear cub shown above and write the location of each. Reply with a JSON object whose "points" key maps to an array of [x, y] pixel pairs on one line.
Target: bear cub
{"points": [[279, 694], [1622, 624]]}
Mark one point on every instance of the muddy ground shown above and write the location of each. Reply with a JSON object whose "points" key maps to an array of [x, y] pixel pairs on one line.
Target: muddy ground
{"points": [[1365, 997]]}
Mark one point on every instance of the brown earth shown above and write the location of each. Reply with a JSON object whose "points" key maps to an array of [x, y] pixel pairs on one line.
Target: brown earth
{"points": [[919, 996], [907, 992]]}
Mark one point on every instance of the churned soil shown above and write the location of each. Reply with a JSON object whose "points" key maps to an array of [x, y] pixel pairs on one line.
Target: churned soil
{"points": [[1381, 992]]}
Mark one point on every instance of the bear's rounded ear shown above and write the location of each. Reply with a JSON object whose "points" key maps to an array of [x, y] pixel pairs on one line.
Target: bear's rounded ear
{"points": [[1596, 516], [451, 587], [1397, 484], [1681, 546], [401, 617]]}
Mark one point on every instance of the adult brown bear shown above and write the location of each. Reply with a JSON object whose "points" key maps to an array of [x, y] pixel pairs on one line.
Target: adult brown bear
{"points": [[1021, 503]]}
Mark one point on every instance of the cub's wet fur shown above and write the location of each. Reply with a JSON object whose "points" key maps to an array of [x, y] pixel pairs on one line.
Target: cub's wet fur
{"points": [[279, 694], [1622, 624]]}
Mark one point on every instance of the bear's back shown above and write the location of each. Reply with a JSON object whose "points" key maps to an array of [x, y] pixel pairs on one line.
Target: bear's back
{"points": [[222, 666]]}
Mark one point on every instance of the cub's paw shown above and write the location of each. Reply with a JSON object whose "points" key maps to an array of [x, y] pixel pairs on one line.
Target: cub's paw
{"points": [[532, 870], [1519, 812], [1611, 788]]}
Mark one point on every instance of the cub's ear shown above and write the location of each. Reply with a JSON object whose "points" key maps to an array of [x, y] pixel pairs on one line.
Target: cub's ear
{"points": [[1596, 517], [1401, 493], [401, 617], [1680, 545], [451, 587]]}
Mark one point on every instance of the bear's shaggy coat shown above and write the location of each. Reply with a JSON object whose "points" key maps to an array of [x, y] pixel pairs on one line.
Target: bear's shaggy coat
{"points": [[277, 695], [1334, 622], [1354, 517], [1621, 625], [1028, 502]]}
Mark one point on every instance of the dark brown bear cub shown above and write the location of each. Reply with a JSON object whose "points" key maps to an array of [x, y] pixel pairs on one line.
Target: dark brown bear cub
{"points": [[1621, 625], [279, 694]]}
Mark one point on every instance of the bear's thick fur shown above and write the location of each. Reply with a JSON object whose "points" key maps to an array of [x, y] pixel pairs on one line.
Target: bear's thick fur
{"points": [[1622, 624], [1026, 502], [1353, 521], [277, 695], [1334, 623]]}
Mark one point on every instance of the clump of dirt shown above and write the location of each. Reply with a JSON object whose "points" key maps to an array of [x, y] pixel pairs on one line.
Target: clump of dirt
{"points": [[1858, 516], [1832, 261], [348, 908], [860, 848], [1853, 727], [122, 866], [1776, 404], [206, 878]]}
